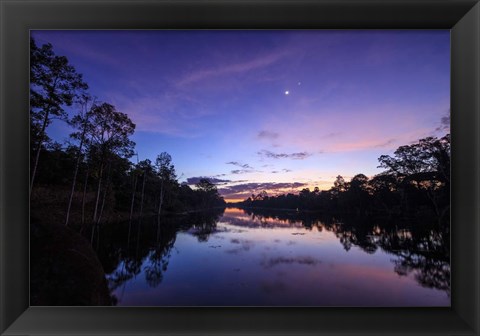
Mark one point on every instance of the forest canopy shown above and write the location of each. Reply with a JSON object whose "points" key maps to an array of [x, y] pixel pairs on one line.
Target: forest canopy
{"points": [[92, 175]]}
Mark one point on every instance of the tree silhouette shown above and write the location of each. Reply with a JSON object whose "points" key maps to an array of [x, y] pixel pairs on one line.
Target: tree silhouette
{"points": [[109, 131], [208, 194], [357, 195], [339, 185], [81, 123], [54, 84], [166, 173], [427, 155], [422, 171]]}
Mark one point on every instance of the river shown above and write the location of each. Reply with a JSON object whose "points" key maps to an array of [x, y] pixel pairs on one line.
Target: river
{"points": [[235, 257]]}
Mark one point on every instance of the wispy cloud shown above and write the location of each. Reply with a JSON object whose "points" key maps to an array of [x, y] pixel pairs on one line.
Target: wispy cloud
{"points": [[385, 144], [195, 180], [244, 190], [267, 135], [377, 143], [331, 135], [234, 68], [241, 171], [444, 123], [80, 48], [295, 156], [175, 114], [374, 126], [238, 164]]}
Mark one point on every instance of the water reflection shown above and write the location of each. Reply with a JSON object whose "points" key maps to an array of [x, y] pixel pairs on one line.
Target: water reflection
{"points": [[305, 260], [127, 249], [240, 257], [420, 248]]}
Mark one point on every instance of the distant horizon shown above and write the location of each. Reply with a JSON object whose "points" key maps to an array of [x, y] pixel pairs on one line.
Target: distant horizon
{"points": [[266, 110]]}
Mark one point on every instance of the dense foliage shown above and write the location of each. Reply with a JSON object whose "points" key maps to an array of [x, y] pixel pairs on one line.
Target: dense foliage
{"points": [[91, 177]]}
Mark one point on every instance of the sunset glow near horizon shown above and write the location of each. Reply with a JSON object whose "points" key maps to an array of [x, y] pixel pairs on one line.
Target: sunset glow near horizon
{"points": [[266, 110]]}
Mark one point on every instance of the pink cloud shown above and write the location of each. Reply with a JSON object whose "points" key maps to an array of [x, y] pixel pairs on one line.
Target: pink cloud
{"points": [[376, 127]]}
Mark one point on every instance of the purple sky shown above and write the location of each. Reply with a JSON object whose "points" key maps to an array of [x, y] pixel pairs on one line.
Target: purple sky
{"points": [[267, 110]]}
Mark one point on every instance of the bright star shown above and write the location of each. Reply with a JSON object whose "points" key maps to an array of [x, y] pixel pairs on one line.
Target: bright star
{"points": [[287, 93]]}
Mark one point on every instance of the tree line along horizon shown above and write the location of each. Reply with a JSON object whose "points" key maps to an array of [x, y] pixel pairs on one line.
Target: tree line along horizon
{"points": [[90, 177]]}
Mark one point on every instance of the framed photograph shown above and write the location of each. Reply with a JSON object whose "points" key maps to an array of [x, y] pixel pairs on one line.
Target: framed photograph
{"points": [[240, 168]]}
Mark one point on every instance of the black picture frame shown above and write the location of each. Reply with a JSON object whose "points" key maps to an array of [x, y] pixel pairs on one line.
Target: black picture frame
{"points": [[17, 17]]}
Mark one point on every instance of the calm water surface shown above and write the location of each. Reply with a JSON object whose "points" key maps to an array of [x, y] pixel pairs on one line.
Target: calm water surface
{"points": [[245, 259]]}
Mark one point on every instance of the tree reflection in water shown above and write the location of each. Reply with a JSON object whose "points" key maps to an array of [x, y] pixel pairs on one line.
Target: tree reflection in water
{"points": [[127, 246], [420, 248]]}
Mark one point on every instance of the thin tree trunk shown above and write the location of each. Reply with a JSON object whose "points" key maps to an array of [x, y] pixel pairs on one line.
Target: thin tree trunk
{"points": [[141, 211], [143, 191], [135, 179], [98, 194], [133, 196], [74, 180], [94, 221], [84, 196], [93, 232], [161, 198], [82, 140], [100, 176], [107, 185], [39, 148], [103, 203], [158, 228]]}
